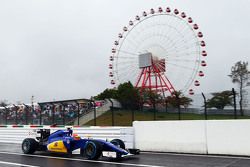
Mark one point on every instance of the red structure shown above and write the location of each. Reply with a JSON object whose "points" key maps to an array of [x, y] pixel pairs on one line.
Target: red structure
{"points": [[152, 76]]}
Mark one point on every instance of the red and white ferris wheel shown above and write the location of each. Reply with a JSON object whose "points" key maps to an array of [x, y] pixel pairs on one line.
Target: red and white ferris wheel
{"points": [[161, 50]]}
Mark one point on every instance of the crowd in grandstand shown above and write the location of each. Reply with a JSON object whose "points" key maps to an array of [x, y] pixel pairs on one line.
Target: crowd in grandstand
{"points": [[46, 112]]}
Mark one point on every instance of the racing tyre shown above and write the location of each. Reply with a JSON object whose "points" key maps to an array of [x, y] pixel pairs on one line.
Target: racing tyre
{"points": [[93, 150], [118, 143], [29, 146]]}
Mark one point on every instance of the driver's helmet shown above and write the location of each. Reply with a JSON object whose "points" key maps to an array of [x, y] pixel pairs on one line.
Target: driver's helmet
{"points": [[76, 136]]}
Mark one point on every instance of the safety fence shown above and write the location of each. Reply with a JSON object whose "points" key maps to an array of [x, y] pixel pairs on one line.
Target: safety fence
{"points": [[16, 133]]}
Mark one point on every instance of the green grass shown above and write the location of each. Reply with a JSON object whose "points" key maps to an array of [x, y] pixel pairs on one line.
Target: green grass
{"points": [[124, 117]]}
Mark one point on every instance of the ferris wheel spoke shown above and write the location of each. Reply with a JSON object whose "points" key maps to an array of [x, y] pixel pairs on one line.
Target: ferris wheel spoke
{"points": [[131, 75], [125, 62], [181, 60], [151, 27], [183, 39], [181, 66], [173, 31], [125, 74], [179, 43], [162, 44], [138, 31], [124, 57], [184, 42], [184, 28], [183, 47], [125, 67], [183, 54], [170, 43], [179, 56], [131, 41], [127, 52]]}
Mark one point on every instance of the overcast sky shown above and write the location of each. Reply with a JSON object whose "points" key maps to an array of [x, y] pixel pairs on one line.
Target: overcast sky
{"points": [[56, 49]]}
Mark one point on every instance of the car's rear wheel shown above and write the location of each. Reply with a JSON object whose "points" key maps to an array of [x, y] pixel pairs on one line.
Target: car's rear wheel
{"points": [[93, 150], [118, 143], [29, 146]]}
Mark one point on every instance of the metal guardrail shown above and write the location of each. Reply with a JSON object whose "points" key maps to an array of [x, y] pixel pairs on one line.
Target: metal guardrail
{"points": [[16, 134]]}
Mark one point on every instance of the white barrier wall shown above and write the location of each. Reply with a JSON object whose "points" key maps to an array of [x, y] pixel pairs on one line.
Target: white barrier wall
{"points": [[228, 137], [17, 134], [171, 136], [231, 137]]}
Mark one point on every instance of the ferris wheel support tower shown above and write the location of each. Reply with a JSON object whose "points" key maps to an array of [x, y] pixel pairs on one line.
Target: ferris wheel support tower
{"points": [[152, 75]]}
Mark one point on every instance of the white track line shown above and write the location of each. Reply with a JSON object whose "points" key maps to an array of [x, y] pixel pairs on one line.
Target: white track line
{"points": [[16, 164], [199, 155], [81, 160]]}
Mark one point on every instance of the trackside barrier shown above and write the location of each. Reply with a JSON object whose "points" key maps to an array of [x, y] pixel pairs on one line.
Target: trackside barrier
{"points": [[227, 137], [16, 134], [171, 136]]}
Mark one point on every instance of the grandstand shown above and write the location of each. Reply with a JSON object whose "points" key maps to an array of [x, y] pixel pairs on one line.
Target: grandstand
{"points": [[46, 113]]}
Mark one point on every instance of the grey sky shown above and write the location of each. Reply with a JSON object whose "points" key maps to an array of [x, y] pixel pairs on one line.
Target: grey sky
{"points": [[56, 49]]}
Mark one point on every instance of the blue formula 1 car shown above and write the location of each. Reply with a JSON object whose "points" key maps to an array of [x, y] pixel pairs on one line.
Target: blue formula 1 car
{"points": [[64, 141]]}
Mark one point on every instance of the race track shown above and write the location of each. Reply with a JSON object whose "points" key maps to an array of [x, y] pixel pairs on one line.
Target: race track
{"points": [[11, 156]]}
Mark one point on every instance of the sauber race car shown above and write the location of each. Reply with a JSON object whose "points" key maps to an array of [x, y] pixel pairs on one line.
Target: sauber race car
{"points": [[64, 141]]}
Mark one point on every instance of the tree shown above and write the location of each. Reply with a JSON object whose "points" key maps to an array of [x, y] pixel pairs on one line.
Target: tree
{"points": [[4, 103], [107, 94], [178, 99], [220, 100], [240, 75], [150, 97], [128, 96]]}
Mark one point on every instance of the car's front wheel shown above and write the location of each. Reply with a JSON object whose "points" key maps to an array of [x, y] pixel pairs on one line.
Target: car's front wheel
{"points": [[29, 146], [93, 150], [118, 143]]}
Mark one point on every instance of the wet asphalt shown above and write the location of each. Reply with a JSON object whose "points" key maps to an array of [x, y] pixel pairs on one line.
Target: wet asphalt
{"points": [[11, 156]]}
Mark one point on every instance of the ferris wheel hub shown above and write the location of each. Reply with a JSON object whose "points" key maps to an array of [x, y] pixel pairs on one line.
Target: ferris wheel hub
{"points": [[145, 60]]}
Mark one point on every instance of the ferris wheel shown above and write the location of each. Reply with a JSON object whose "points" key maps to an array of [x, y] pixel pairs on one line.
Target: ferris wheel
{"points": [[161, 50]]}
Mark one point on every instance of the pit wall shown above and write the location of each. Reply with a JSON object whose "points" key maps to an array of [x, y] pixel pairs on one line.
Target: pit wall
{"points": [[228, 137]]}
